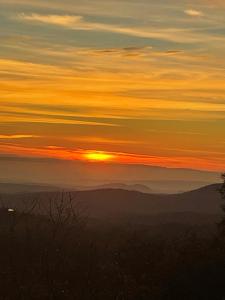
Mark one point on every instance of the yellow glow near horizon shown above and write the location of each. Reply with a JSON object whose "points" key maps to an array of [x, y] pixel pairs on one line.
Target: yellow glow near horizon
{"points": [[98, 156]]}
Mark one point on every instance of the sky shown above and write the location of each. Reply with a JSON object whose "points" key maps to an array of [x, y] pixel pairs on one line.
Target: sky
{"points": [[119, 81]]}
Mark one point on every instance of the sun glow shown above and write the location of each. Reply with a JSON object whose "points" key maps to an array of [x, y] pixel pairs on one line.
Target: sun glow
{"points": [[98, 156]]}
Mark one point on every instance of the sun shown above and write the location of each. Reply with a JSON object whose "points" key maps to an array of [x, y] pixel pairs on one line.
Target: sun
{"points": [[98, 156]]}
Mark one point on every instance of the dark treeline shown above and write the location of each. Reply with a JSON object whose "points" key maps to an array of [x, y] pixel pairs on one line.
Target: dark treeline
{"points": [[57, 255]]}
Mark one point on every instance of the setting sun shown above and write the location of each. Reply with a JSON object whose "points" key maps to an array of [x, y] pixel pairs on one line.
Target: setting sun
{"points": [[98, 156]]}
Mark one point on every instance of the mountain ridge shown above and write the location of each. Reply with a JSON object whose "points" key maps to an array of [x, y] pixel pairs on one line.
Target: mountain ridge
{"points": [[107, 202]]}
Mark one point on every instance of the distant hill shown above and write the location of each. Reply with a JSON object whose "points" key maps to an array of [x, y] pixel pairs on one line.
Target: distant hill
{"points": [[149, 187], [106, 203], [174, 186], [14, 188], [118, 186]]}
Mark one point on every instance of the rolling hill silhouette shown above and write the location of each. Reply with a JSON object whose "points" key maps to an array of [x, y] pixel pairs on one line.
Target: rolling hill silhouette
{"points": [[118, 186], [116, 201], [105, 203]]}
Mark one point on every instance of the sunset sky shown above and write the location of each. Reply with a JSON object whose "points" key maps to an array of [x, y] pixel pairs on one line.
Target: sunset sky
{"points": [[123, 81]]}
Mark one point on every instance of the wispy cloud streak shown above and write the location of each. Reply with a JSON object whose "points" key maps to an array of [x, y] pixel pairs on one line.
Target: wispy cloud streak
{"points": [[17, 136], [194, 13], [173, 34]]}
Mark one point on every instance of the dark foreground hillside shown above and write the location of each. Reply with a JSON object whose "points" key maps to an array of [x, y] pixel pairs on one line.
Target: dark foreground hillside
{"points": [[50, 248]]}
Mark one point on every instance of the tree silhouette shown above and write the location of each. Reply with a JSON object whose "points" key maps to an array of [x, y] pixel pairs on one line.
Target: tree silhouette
{"points": [[222, 192]]}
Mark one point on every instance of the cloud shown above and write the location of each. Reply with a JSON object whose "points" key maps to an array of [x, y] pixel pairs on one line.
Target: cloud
{"points": [[79, 23], [102, 140], [51, 119], [118, 52], [61, 20], [16, 136], [194, 13]]}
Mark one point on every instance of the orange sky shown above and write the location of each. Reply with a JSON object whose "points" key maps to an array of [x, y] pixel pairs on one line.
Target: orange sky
{"points": [[142, 83]]}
